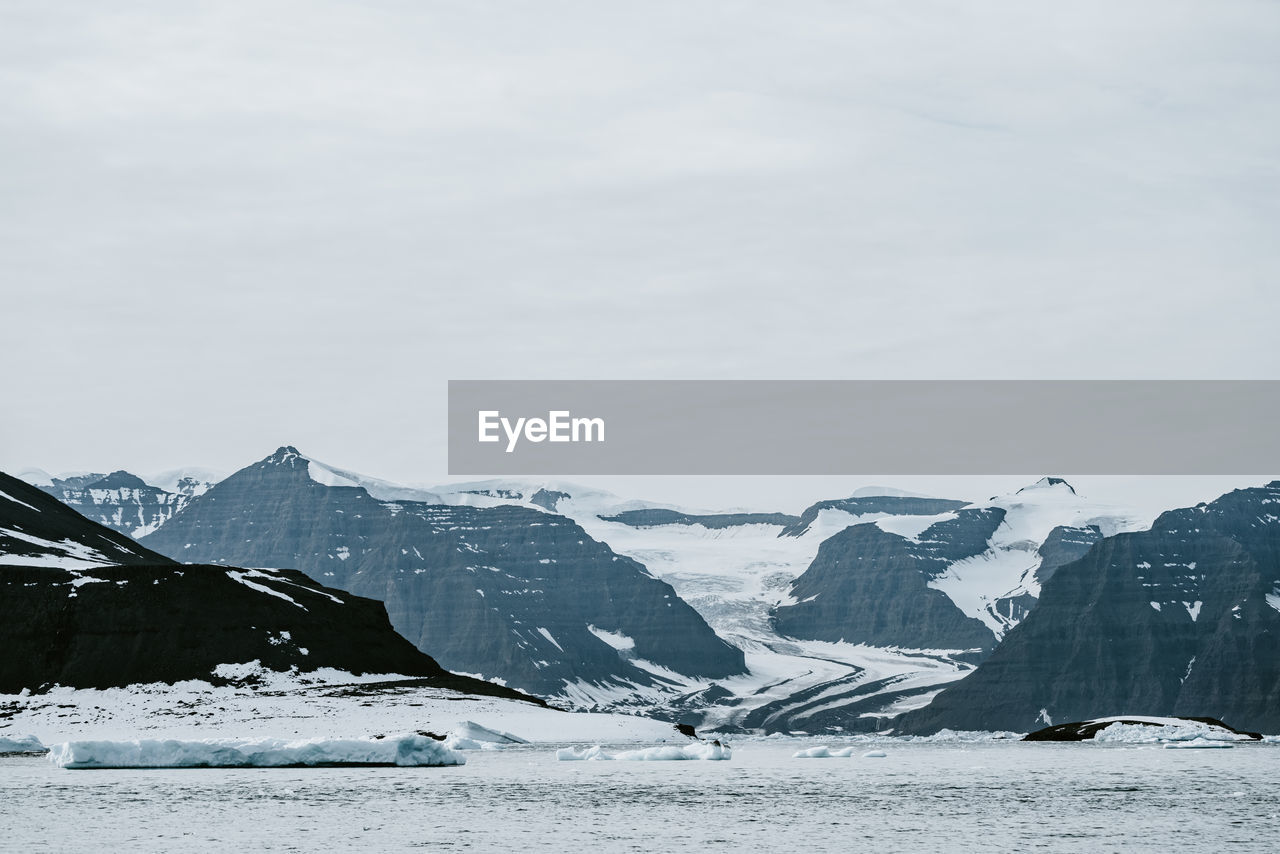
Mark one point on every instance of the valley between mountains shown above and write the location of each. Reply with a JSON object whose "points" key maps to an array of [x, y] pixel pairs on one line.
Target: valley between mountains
{"points": [[880, 611]]}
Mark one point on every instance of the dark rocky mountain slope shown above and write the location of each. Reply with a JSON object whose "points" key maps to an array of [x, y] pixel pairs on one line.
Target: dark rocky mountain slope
{"points": [[1182, 620], [954, 580], [505, 591], [120, 500], [86, 607]]}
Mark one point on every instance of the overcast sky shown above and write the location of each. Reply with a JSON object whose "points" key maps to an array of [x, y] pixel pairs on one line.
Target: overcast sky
{"points": [[227, 226]]}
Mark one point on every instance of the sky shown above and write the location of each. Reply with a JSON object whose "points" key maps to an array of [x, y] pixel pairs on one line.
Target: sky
{"points": [[228, 226]]}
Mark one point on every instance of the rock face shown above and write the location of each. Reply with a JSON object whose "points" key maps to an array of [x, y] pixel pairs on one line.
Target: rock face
{"points": [[889, 505], [122, 501], [957, 580], [86, 607], [650, 518], [38, 530], [1180, 620], [505, 591], [872, 587]]}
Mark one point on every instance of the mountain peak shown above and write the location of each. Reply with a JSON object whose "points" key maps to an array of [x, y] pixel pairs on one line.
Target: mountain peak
{"points": [[285, 455], [1049, 483], [120, 479]]}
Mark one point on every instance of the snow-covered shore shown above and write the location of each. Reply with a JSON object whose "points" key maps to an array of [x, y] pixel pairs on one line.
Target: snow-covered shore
{"points": [[325, 704]]}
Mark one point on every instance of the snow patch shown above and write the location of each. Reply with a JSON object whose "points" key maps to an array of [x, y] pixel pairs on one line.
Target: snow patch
{"points": [[617, 640], [546, 634], [9, 497]]}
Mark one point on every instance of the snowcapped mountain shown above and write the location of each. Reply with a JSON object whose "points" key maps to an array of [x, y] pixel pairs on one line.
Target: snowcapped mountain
{"points": [[512, 592], [737, 570], [956, 580], [122, 501], [86, 607], [189, 480], [1181, 619]]}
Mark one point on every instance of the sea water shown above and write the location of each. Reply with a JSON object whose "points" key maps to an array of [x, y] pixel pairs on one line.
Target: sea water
{"points": [[983, 797]]}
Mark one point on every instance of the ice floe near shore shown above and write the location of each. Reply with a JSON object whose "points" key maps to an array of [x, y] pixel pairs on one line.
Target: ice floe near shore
{"points": [[20, 744], [1166, 731], [470, 735], [667, 753], [1196, 744], [822, 751], [403, 751]]}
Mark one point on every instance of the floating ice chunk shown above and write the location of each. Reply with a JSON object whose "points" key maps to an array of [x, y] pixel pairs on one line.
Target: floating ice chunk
{"points": [[823, 752], [21, 744], [404, 750], [469, 735], [874, 754], [1195, 744], [698, 750], [667, 753], [1156, 730], [580, 754], [819, 752]]}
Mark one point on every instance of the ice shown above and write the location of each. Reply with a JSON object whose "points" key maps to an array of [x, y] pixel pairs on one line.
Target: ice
{"points": [[666, 753], [700, 750], [823, 752], [1008, 566], [1157, 730], [874, 754], [20, 744], [469, 735], [581, 754], [404, 750], [1195, 744]]}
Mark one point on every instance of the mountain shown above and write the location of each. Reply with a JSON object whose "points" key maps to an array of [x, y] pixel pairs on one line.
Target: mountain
{"points": [[868, 507], [957, 580], [734, 569], [658, 517], [511, 592], [865, 646], [1181, 619], [121, 501], [86, 607]]}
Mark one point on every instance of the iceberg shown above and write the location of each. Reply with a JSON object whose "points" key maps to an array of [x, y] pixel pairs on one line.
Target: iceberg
{"points": [[20, 744], [1158, 731], [1196, 744], [823, 752], [582, 754], [469, 735], [669, 753], [404, 751], [700, 750]]}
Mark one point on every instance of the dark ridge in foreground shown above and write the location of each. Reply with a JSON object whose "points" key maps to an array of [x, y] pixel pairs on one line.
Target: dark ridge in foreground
{"points": [[114, 626], [86, 607], [509, 592]]}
